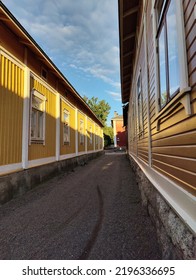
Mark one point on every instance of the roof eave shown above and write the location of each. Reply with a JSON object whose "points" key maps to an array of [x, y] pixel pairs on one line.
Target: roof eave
{"points": [[29, 41]]}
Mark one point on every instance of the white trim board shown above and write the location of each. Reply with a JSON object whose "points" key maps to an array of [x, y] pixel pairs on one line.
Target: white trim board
{"points": [[10, 168], [42, 161], [67, 156], [181, 201]]}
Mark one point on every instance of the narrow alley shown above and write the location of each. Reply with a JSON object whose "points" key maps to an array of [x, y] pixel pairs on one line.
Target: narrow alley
{"points": [[91, 212]]}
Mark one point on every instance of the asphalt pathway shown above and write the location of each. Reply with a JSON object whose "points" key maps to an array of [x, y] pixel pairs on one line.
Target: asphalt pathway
{"points": [[92, 212]]}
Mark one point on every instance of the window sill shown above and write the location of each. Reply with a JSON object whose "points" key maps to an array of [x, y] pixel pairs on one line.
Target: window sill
{"points": [[37, 141], [183, 97]]}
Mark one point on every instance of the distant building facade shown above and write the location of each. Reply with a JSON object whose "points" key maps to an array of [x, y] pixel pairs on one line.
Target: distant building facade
{"points": [[120, 137]]}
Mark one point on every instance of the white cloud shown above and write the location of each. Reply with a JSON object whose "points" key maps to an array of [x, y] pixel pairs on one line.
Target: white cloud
{"points": [[80, 33], [115, 95]]}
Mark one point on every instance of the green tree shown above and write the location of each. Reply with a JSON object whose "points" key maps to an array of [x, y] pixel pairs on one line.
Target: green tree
{"points": [[108, 136], [100, 107]]}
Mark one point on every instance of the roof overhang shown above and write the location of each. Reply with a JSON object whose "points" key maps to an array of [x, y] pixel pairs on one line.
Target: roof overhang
{"points": [[128, 18], [25, 39]]}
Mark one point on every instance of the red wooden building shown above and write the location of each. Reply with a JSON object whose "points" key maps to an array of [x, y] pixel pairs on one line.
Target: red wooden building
{"points": [[120, 137]]}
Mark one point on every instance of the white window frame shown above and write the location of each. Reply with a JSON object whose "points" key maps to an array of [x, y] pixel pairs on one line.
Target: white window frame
{"points": [[37, 139], [183, 63], [140, 105], [66, 124]]}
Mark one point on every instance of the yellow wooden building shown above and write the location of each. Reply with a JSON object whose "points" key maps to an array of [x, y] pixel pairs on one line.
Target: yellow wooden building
{"points": [[43, 119]]}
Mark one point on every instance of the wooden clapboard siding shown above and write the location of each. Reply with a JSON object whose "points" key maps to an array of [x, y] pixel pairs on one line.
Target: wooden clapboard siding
{"points": [[143, 156], [182, 127], [172, 132], [175, 117], [189, 18], [185, 163], [187, 138], [193, 106], [193, 96], [188, 9], [191, 52], [174, 143], [143, 143], [183, 178], [191, 65], [11, 110], [181, 151]]}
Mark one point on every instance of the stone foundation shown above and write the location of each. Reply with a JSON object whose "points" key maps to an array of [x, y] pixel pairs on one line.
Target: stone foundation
{"points": [[17, 183], [176, 239]]}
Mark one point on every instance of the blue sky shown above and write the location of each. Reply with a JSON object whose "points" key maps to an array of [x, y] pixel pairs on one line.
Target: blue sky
{"points": [[81, 38]]}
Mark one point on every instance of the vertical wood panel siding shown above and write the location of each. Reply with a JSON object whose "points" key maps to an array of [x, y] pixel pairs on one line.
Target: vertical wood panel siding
{"points": [[81, 146], [90, 133], [38, 151], [11, 111], [99, 138], [68, 148], [96, 137]]}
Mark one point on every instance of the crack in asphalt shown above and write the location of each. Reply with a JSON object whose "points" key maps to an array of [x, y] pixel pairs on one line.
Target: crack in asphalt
{"points": [[96, 230], [63, 225]]}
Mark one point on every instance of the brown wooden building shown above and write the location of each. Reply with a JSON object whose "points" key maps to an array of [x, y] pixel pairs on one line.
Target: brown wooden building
{"points": [[158, 80]]}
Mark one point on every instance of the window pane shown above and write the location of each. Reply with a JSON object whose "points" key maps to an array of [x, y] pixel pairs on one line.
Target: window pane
{"points": [[173, 61], [66, 137], [40, 125], [66, 117], [33, 123], [162, 67], [66, 133], [140, 105]]}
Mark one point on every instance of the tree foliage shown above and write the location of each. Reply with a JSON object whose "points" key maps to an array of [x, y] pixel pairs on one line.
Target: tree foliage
{"points": [[108, 136], [100, 107]]}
